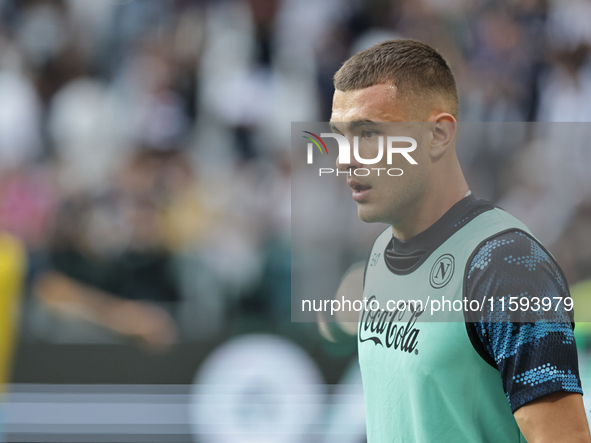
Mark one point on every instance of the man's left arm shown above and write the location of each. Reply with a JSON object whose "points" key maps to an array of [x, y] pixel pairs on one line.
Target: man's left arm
{"points": [[537, 359], [554, 418]]}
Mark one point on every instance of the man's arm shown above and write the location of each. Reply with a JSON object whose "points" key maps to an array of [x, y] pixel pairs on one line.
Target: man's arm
{"points": [[537, 359], [555, 418], [141, 320]]}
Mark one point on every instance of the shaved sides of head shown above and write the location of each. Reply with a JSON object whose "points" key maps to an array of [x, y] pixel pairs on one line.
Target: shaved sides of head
{"points": [[420, 74]]}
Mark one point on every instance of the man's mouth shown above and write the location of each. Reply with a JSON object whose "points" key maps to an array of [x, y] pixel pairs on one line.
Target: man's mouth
{"points": [[360, 190]]}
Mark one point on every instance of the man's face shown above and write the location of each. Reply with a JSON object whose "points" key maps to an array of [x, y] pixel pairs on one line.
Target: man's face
{"points": [[382, 198]]}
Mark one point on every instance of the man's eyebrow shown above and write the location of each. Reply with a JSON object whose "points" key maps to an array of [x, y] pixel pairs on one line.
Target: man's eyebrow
{"points": [[354, 125], [335, 128], [363, 123]]}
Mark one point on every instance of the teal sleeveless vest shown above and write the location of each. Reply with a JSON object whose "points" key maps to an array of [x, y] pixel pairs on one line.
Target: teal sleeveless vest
{"points": [[423, 381]]}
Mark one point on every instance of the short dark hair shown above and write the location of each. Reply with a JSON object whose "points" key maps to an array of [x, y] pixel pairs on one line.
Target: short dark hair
{"points": [[412, 66]]}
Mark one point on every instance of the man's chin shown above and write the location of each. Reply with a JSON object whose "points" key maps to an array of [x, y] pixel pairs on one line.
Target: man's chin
{"points": [[366, 215]]}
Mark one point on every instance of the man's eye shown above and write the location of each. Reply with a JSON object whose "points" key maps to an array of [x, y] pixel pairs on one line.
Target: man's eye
{"points": [[368, 134]]}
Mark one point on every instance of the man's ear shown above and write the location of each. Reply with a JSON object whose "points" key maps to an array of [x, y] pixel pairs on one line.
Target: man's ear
{"points": [[444, 134]]}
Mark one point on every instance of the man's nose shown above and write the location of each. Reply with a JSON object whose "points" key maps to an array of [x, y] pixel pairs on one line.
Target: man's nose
{"points": [[352, 164]]}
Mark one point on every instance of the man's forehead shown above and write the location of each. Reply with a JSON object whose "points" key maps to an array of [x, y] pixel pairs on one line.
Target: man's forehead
{"points": [[376, 103]]}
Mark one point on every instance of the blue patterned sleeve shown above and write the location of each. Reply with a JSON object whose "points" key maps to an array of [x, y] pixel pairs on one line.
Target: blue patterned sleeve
{"points": [[535, 358]]}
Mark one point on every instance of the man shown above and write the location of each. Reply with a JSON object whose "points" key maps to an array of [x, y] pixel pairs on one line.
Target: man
{"points": [[482, 380]]}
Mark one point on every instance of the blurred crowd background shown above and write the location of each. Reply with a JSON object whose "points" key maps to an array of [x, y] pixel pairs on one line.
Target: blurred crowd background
{"points": [[144, 151]]}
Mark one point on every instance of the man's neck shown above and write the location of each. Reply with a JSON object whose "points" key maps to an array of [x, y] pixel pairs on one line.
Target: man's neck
{"points": [[430, 209]]}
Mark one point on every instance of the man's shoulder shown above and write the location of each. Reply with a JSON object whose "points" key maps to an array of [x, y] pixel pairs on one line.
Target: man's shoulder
{"points": [[514, 263], [512, 248], [495, 221], [496, 228]]}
